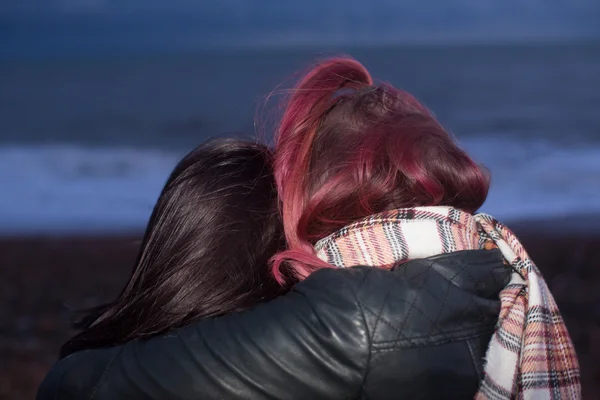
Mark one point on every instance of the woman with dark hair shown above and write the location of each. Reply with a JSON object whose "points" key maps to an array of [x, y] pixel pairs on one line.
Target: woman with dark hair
{"points": [[405, 291], [220, 196]]}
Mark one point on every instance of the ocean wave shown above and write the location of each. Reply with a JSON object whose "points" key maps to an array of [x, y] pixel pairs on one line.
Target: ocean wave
{"points": [[537, 178], [64, 188], [77, 189]]}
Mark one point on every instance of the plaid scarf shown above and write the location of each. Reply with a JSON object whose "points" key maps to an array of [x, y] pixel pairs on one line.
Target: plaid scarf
{"points": [[531, 355]]}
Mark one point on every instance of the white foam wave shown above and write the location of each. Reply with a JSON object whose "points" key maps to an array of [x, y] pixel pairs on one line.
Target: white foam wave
{"points": [[65, 188], [537, 179], [49, 189]]}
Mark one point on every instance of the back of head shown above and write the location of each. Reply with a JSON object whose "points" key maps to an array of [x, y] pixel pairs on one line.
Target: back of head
{"points": [[205, 251], [347, 148]]}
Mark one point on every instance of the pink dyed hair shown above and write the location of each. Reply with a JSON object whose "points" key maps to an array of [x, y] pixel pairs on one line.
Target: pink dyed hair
{"points": [[347, 148]]}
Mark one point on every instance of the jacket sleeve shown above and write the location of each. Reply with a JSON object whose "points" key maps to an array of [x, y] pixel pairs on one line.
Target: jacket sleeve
{"points": [[309, 344]]}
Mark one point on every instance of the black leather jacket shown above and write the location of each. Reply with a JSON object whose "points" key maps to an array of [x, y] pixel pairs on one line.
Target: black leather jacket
{"points": [[417, 332]]}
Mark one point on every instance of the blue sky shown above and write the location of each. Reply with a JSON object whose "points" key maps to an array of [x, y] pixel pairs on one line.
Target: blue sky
{"points": [[30, 26]]}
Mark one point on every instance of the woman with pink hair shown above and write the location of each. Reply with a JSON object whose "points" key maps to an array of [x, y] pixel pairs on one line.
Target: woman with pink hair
{"points": [[406, 292]]}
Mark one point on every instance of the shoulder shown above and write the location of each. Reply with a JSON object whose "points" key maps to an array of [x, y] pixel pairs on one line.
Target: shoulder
{"points": [[311, 342], [425, 311], [442, 298], [76, 376]]}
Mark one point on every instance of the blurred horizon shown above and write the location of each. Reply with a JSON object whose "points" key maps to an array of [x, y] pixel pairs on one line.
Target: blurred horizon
{"points": [[39, 28], [99, 98]]}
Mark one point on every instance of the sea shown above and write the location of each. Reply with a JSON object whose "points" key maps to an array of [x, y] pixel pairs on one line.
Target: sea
{"points": [[86, 143]]}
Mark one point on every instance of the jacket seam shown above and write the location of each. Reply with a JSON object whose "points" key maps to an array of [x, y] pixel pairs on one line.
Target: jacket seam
{"points": [[104, 374], [475, 366], [383, 303], [446, 336], [369, 339], [434, 344], [431, 267]]}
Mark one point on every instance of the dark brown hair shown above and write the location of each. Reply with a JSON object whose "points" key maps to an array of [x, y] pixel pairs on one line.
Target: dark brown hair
{"points": [[205, 251]]}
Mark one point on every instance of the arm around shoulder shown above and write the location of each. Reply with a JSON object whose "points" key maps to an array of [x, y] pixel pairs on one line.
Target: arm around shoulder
{"points": [[311, 343]]}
